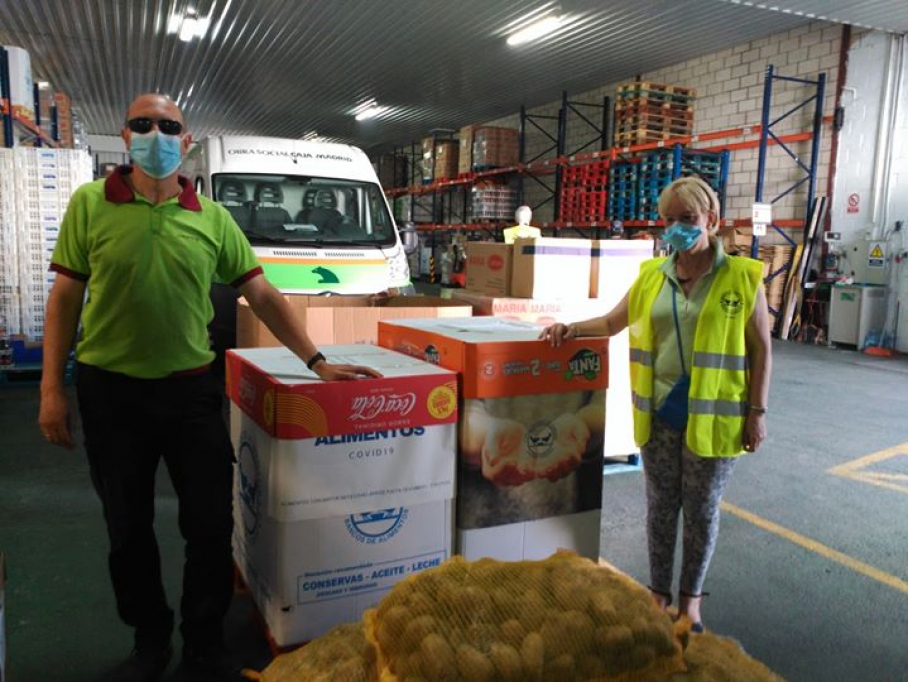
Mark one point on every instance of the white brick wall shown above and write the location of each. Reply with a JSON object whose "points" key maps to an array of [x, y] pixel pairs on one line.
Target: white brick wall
{"points": [[729, 88]]}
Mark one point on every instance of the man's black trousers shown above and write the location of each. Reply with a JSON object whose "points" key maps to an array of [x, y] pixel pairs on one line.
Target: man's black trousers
{"points": [[130, 425]]}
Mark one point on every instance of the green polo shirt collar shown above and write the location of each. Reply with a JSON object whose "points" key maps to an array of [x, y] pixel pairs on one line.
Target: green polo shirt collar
{"points": [[118, 191]]}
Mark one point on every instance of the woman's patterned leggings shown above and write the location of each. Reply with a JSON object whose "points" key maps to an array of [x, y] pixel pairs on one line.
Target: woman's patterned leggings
{"points": [[677, 479]]}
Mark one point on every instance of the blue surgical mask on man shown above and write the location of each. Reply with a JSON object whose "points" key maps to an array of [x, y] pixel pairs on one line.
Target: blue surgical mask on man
{"points": [[682, 237], [156, 154]]}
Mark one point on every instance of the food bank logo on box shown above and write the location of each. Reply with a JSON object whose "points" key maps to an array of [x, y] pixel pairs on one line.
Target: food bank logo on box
{"points": [[585, 363], [249, 492], [365, 408], [373, 528]]}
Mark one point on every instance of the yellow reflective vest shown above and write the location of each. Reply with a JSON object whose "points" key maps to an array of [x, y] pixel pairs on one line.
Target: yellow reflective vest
{"points": [[717, 402]]}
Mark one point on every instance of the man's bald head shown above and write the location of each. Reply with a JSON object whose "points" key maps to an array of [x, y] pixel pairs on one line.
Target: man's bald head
{"points": [[155, 106]]}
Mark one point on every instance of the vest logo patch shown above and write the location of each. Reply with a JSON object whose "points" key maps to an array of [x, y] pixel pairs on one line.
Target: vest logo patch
{"points": [[732, 302]]}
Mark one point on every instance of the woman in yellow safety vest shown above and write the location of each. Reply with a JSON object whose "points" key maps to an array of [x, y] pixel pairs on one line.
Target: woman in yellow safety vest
{"points": [[700, 361]]}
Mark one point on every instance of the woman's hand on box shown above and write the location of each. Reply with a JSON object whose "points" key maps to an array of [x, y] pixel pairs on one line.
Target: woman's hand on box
{"points": [[558, 333]]}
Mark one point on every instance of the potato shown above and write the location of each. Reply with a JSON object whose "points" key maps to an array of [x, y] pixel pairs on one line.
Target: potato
{"points": [[590, 666], [474, 666], [561, 668], [532, 653], [438, 659], [416, 631], [507, 661], [513, 632]]}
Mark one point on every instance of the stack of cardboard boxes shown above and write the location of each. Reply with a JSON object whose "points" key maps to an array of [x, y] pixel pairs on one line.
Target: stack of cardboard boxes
{"points": [[548, 280], [495, 147]]}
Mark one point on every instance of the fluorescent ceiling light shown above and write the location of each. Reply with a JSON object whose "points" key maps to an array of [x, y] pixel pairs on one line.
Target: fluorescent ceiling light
{"points": [[188, 25], [371, 112], [368, 109], [43, 85], [535, 30]]}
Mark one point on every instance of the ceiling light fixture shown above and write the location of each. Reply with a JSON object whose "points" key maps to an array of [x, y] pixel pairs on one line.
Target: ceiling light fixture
{"points": [[368, 109], [536, 30], [188, 25]]}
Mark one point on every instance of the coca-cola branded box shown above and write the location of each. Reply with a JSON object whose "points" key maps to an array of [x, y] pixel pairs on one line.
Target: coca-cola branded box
{"points": [[342, 489], [531, 429]]}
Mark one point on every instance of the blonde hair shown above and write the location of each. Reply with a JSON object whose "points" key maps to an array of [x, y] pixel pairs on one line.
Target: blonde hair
{"points": [[695, 195]]}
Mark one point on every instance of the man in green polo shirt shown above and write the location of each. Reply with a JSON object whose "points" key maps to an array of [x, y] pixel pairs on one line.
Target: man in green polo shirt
{"points": [[146, 249]]}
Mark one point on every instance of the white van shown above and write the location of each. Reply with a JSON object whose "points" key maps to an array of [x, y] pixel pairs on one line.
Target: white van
{"points": [[314, 212]]}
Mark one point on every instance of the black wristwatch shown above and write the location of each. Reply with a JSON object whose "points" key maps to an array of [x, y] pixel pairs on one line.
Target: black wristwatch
{"points": [[314, 360]]}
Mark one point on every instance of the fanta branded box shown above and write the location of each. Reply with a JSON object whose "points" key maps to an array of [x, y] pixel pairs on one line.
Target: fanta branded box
{"points": [[341, 489], [531, 431]]}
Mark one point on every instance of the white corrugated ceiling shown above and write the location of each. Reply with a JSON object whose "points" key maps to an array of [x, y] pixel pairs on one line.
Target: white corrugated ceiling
{"points": [[287, 68]]}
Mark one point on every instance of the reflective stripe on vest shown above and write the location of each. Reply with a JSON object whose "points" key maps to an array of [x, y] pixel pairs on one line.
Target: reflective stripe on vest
{"points": [[641, 403], [642, 356], [720, 361], [724, 408]]}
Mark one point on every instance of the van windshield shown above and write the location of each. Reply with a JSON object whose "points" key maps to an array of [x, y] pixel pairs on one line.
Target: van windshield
{"points": [[294, 209]]}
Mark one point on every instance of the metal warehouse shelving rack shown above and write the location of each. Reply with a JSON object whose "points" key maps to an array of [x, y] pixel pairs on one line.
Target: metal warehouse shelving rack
{"points": [[713, 141], [768, 137], [14, 126]]}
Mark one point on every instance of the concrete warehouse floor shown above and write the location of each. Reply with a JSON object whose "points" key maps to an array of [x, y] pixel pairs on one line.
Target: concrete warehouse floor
{"points": [[810, 573]]}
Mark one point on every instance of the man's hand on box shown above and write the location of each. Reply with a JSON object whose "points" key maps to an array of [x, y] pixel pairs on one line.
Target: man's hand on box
{"points": [[329, 372]]}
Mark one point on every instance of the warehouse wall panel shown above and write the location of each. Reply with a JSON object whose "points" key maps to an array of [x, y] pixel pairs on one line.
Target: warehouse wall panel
{"points": [[729, 87]]}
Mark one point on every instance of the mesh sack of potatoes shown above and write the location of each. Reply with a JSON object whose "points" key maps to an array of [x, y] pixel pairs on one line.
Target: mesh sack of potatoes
{"points": [[564, 618], [710, 658], [341, 654]]}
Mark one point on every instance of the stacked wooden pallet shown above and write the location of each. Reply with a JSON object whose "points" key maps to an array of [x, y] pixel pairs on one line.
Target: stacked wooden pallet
{"points": [[649, 112], [776, 267]]}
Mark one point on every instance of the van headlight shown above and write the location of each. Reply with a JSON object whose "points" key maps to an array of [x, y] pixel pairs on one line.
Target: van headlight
{"points": [[398, 268]]}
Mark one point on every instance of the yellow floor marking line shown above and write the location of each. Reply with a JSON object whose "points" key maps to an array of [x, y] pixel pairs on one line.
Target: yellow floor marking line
{"points": [[859, 469], [818, 548]]}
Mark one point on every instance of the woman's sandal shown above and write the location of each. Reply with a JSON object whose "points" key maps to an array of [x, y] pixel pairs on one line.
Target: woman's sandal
{"points": [[665, 595], [697, 627]]}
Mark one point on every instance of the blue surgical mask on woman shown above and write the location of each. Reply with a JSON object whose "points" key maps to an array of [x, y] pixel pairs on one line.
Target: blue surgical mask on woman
{"points": [[157, 155], [682, 237]]}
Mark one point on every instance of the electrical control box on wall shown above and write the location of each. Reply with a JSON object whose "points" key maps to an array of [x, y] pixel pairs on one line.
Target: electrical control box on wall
{"points": [[868, 262]]}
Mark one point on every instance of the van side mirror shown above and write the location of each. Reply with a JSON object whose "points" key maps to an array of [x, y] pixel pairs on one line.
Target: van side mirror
{"points": [[409, 238]]}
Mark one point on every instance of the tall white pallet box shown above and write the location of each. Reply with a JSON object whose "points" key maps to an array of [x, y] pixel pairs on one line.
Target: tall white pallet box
{"points": [[342, 489], [531, 429]]}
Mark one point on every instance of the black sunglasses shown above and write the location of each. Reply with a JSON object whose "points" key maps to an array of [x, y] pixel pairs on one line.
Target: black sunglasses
{"points": [[144, 125]]}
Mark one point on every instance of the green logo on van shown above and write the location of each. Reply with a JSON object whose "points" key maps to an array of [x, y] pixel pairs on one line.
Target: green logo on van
{"points": [[327, 277]]}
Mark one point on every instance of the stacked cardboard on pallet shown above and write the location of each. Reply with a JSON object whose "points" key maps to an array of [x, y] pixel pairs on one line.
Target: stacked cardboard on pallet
{"points": [[465, 154], [647, 112], [495, 147], [446, 155], [342, 319], [64, 120]]}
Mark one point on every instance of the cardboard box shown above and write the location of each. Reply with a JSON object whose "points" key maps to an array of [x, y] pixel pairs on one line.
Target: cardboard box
{"points": [[446, 155], [488, 267], [21, 83], [619, 423], [616, 265], [552, 268], [530, 433], [341, 490], [342, 319], [495, 147], [465, 149]]}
